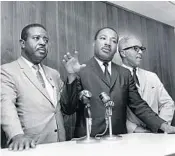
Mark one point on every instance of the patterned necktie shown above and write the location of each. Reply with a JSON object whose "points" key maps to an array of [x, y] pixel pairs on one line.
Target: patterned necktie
{"points": [[38, 75], [106, 73], [135, 77]]}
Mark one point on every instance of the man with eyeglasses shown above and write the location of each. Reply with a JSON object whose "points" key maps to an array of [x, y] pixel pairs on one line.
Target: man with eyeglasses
{"points": [[149, 85], [99, 75]]}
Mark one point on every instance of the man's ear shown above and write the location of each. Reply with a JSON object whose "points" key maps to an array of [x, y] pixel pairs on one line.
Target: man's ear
{"points": [[93, 44], [22, 43], [122, 53]]}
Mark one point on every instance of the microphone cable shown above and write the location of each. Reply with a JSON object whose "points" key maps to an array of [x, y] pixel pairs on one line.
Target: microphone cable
{"points": [[98, 136]]}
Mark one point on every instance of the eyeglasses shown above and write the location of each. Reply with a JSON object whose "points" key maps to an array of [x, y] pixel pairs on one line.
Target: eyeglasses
{"points": [[136, 48]]}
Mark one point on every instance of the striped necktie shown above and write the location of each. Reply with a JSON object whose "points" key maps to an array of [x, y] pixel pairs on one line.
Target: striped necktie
{"points": [[38, 75], [135, 77], [106, 73]]}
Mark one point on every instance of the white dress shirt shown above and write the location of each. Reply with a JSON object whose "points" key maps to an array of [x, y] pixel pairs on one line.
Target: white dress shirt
{"points": [[131, 70], [48, 86], [102, 66]]}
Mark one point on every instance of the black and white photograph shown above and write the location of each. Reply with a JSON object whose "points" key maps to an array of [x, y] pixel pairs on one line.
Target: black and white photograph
{"points": [[87, 78]]}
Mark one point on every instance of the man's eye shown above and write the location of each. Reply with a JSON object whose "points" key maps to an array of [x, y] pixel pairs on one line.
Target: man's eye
{"points": [[36, 38], [114, 41], [136, 48], [103, 38], [46, 40]]}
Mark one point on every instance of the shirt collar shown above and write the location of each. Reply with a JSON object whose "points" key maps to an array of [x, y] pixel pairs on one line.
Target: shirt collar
{"points": [[130, 68], [101, 63], [30, 64]]}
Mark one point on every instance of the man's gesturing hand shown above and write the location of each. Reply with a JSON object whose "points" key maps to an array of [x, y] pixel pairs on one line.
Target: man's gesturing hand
{"points": [[72, 64]]}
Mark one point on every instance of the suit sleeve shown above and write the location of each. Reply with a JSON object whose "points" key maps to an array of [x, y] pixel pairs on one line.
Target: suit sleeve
{"points": [[141, 109], [166, 104], [9, 116], [69, 96]]}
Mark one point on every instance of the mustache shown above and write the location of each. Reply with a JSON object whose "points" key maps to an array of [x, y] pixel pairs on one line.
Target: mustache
{"points": [[140, 56], [107, 47], [41, 48]]}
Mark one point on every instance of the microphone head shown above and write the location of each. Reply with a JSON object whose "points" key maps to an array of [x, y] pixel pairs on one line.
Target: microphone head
{"points": [[104, 97], [85, 93]]}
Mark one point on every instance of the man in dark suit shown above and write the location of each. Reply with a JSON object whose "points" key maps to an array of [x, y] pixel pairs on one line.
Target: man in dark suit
{"points": [[101, 75]]}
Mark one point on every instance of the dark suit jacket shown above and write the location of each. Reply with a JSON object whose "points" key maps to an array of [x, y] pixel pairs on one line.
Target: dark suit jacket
{"points": [[122, 92]]}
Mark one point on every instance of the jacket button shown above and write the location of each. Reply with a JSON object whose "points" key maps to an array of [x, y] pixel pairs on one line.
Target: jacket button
{"points": [[55, 130]]}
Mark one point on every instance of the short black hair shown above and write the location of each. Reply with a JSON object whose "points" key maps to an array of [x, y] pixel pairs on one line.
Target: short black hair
{"points": [[98, 31], [24, 32]]}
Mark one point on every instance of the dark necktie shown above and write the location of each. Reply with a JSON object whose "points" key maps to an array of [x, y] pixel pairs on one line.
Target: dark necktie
{"points": [[135, 77], [106, 73], [39, 76]]}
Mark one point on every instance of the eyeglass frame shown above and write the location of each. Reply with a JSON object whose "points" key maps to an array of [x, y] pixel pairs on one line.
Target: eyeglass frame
{"points": [[143, 49]]}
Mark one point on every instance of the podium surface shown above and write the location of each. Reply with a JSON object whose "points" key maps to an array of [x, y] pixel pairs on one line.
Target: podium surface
{"points": [[135, 144]]}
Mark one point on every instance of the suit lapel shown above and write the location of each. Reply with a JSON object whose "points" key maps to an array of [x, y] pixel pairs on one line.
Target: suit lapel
{"points": [[114, 75], [97, 69], [32, 78], [48, 76], [51, 81], [142, 79]]}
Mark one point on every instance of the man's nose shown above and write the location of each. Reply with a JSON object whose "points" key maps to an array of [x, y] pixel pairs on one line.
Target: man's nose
{"points": [[108, 42], [42, 41], [140, 51]]}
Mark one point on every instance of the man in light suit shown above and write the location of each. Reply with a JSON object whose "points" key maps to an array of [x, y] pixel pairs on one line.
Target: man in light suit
{"points": [[30, 97], [149, 85], [101, 75]]}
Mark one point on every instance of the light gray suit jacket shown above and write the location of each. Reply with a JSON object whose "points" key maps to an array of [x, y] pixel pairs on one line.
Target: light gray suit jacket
{"points": [[26, 106]]}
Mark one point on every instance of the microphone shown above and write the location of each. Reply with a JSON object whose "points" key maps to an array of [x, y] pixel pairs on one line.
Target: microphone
{"points": [[85, 93], [104, 97], [85, 96], [108, 103], [106, 100]]}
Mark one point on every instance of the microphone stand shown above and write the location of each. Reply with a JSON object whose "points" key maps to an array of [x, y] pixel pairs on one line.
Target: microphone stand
{"points": [[110, 137], [87, 139]]}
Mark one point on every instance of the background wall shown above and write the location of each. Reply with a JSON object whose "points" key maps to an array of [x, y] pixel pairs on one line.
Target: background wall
{"points": [[71, 26]]}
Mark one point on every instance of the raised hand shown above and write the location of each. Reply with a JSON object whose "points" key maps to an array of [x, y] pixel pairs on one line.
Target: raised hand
{"points": [[71, 63], [21, 142]]}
